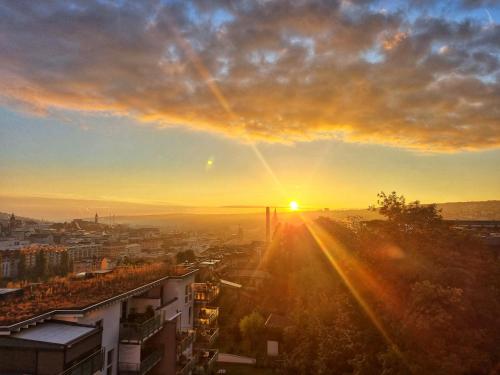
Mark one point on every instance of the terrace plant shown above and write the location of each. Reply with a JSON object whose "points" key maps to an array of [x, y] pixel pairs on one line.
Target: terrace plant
{"points": [[64, 293]]}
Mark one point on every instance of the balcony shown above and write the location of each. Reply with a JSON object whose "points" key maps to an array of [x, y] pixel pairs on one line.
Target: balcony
{"points": [[144, 366], [137, 332], [207, 337], [206, 362], [205, 293], [87, 366], [207, 316], [186, 365], [184, 340]]}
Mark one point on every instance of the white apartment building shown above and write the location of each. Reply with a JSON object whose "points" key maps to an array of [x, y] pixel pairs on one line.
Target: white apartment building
{"points": [[84, 251], [147, 330]]}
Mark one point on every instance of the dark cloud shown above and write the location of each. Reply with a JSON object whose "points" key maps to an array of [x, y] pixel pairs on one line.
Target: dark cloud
{"points": [[268, 70]]}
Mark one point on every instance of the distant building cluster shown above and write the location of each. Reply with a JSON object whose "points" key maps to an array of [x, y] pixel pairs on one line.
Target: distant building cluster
{"points": [[85, 245]]}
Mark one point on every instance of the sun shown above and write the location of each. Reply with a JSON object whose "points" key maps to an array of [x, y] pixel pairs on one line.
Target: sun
{"points": [[294, 206]]}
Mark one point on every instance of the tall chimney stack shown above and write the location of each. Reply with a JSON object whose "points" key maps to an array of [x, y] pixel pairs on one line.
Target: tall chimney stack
{"points": [[268, 224]]}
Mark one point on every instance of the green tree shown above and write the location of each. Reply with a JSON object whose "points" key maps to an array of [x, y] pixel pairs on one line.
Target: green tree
{"points": [[411, 215], [433, 291], [252, 330]]}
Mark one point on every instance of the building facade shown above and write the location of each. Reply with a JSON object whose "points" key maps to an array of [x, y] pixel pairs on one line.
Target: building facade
{"points": [[147, 330]]}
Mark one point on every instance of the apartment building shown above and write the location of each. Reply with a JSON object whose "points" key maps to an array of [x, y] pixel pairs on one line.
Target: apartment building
{"points": [[53, 254], [81, 251], [9, 260], [148, 329], [13, 244]]}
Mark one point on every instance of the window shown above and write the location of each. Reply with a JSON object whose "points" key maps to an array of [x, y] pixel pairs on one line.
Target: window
{"points": [[109, 361], [111, 353], [124, 310]]}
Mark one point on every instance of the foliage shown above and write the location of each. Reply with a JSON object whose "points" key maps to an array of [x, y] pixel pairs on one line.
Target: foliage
{"points": [[410, 296], [66, 293], [185, 256], [252, 329], [411, 216], [21, 267], [41, 268]]}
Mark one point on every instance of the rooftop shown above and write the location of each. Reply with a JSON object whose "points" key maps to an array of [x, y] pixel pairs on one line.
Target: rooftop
{"points": [[54, 332], [6, 291], [63, 294]]}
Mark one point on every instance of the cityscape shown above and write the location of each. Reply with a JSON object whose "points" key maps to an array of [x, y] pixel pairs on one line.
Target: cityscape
{"points": [[268, 187]]}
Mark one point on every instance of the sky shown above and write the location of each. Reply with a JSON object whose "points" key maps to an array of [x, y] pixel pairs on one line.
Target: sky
{"points": [[250, 103]]}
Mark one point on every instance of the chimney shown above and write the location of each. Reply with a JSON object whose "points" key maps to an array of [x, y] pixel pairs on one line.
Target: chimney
{"points": [[268, 224]]}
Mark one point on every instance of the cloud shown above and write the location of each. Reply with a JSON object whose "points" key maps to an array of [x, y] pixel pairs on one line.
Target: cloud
{"points": [[265, 70]]}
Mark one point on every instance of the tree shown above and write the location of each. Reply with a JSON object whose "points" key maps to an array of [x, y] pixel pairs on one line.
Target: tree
{"points": [[252, 329], [64, 265], [40, 270], [186, 256], [405, 296], [21, 267], [407, 216]]}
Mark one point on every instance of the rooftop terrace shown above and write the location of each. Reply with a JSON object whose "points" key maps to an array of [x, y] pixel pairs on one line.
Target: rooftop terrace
{"points": [[70, 294]]}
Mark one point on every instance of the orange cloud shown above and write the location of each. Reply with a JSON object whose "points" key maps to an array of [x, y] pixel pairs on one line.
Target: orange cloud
{"points": [[394, 40], [267, 71]]}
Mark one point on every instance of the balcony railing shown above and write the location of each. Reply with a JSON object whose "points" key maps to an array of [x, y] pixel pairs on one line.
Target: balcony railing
{"points": [[206, 362], [142, 368], [184, 339], [207, 316], [205, 292], [138, 332], [185, 367], [207, 337], [87, 366]]}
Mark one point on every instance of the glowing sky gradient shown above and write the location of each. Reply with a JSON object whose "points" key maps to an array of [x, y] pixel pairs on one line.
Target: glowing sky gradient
{"points": [[182, 102]]}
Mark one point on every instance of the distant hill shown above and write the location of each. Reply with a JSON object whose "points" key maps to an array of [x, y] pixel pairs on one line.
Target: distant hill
{"points": [[6, 216], [481, 210], [202, 218], [253, 223]]}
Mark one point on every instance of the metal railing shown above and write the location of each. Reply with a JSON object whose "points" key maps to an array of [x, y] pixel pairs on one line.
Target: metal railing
{"points": [[143, 367], [208, 336], [184, 339], [207, 316], [187, 367], [205, 292], [207, 359], [138, 332], [87, 366]]}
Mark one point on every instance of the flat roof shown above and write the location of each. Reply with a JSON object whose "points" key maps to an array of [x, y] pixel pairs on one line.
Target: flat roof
{"points": [[8, 290], [52, 332], [230, 283], [81, 310]]}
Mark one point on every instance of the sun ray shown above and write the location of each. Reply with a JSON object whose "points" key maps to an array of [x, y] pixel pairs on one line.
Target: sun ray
{"points": [[211, 83], [333, 251]]}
